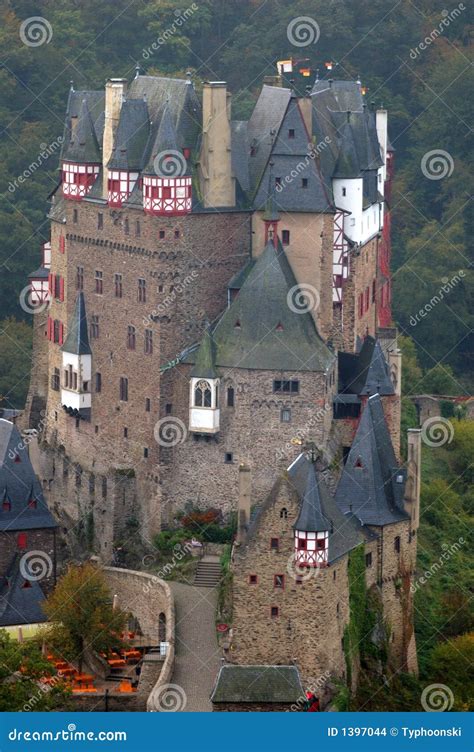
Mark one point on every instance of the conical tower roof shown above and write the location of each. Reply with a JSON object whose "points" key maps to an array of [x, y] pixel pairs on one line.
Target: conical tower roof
{"points": [[164, 144], [204, 366], [77, 340], [311, 516], [83, 146]]}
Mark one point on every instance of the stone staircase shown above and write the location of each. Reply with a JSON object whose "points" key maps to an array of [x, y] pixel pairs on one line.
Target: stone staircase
{"points": [[208, 572]]}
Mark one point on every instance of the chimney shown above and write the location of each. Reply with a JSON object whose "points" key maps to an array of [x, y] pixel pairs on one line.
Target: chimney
{"points": [[306, 109], [215, 163], [381, 124], [395, 368], [115, 89], [412, 488], [243, 510]]}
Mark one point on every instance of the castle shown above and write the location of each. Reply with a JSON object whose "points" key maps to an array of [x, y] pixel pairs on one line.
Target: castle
{"points": [[214, 330]]}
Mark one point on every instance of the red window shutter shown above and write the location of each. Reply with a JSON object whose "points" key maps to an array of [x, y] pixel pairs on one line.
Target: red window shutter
{"points": [[51, 284], [62, 244], [22, 540], [61, 288]]}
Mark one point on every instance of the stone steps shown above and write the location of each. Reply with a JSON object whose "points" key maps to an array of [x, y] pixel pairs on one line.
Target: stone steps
{"points": [[208, 574]]}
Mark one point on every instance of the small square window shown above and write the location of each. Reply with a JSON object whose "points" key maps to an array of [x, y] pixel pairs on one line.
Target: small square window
{"points": [[396, 544], [96, 429], [302, 544], [304, 182], [274, 612], [100, 221], [161, 234], [75, 216], [168, 409], [299, 580], [228, 458], [253, 579], [291, 133], [279, 581], [274, 544], [125, 432], [147, 405], [145, 452], [285, 415], [344, 191], [285, 237], [368, 560], [177, 233]]}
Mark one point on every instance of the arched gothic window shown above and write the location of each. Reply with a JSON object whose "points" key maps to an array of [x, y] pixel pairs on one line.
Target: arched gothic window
{"points": [[202, 394]]}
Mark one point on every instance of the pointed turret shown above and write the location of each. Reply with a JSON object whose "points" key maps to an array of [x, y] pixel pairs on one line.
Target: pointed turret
{"points": [[204, 410], [167, 183], [77, 340], [82, 157], [77, 364]]}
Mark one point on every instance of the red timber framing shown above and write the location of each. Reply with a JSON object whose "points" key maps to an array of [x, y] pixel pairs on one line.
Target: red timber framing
{"points": [[340, 264], [311, 549], [120, 185], [167, 195], [78, 179]]}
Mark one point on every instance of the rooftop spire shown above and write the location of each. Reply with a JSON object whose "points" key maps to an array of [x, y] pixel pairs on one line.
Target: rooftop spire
{"points": [[77, 340]]}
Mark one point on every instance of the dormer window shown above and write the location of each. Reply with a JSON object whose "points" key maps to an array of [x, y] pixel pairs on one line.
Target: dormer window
{"points": [[359, 464], [32, 504], [279, 327], [311, 548], [237, 325], [6, 505], [17, 458]]}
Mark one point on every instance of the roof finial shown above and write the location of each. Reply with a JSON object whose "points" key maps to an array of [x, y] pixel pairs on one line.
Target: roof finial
{"points": [[137, 69], [189, 77], [71, 82]]}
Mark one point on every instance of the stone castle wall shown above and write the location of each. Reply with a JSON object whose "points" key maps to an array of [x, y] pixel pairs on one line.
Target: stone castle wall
{"points": [[196, 471], [312, 615]]}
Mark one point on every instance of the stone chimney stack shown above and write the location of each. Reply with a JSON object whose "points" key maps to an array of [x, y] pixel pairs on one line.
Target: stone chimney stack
{"points": [[381, 124], [115, 89], [395, 367], [215, 163], [243, 510], [412, 488]]}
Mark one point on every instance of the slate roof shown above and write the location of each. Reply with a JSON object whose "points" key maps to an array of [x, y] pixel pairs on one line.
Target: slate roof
{"points": [[83, 145], [132, 136], [19, 485], [240, 152], [259, 684], [319, 510], [369, 486], [95, 104], [287, 156], [204, 367], [20, 604], [260, 331], [77, 340], [366, 372], [263, 126], [165, 141]]}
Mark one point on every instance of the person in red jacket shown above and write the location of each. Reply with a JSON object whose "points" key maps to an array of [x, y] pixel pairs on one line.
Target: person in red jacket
{"points": [[312, 703]]}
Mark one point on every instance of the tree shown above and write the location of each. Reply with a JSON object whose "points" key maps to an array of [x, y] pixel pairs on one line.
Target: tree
{"points": [[451, 663], [15, 356], [440, 380], [81, 615], [22, 665]]}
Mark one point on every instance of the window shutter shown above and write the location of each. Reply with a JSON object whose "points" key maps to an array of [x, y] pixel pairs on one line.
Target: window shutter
{"points": [[61, 288], [62, 244]]}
